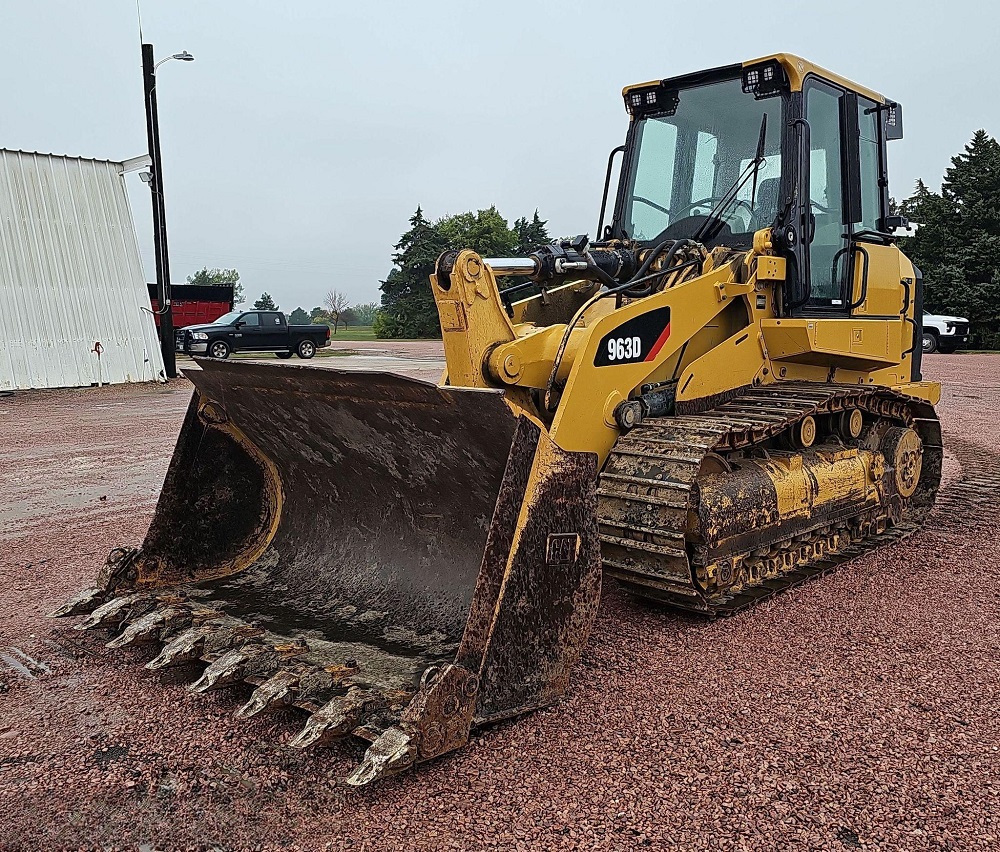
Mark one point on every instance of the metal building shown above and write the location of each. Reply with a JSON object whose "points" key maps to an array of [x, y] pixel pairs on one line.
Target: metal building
{"points": [[73, 304]]}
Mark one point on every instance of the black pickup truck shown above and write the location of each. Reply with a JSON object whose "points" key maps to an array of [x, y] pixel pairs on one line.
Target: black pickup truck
{"points": [[251, 331]]}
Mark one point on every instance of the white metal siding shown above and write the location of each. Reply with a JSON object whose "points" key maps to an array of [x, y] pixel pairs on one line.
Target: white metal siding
{"points": [[70, 276]]}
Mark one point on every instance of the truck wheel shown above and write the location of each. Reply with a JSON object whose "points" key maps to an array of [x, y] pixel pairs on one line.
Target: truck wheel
{"points": [[306, 349], [219, 349], [283, 354], [929, 342]]}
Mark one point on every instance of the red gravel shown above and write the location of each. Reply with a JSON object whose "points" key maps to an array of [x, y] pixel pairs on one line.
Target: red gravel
{"points": [[857, 711]]}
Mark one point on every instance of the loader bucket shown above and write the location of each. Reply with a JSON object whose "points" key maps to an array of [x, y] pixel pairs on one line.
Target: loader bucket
{"points": [[401, 560]]}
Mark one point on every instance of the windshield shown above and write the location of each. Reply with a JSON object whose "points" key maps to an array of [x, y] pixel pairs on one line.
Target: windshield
{"points": [[228, 319], [686, 162]]}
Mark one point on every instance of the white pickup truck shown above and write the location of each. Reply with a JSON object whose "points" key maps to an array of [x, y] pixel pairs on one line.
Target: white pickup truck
{"points": [[944, 334]]}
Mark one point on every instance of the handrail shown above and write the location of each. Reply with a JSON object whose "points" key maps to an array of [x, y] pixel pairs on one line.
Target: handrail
{"points": [[853, 249], [864, 279], [903, 313], [607, 185]]}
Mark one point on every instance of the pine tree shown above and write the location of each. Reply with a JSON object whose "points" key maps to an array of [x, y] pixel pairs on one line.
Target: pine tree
{"points": [[408, 308], [265, 303], [299, 317], [530, 235], [957, 244]]}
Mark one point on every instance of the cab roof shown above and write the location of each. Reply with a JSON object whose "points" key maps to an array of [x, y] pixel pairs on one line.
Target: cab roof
{"points": [[796, 67]]}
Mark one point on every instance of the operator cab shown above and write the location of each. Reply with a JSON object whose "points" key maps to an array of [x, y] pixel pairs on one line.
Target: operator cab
{"points": [[718, 155]]}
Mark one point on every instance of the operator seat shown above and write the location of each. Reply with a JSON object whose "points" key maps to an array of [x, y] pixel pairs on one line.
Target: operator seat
{"points": [[765, 209]]}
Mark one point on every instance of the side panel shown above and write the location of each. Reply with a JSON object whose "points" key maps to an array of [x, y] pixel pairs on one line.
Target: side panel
{"points": [[584, 420], [883, 295], [541, 594], [70, 276], [853, 344]]}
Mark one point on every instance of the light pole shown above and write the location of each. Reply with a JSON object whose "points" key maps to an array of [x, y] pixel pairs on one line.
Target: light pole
{"points": [[159, 212]]}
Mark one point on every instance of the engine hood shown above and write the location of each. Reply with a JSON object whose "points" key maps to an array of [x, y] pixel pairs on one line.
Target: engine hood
{"points": [[205, 327]]}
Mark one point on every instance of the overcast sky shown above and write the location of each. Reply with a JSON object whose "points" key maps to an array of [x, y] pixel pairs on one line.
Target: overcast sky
{"points": [[306, 132]]}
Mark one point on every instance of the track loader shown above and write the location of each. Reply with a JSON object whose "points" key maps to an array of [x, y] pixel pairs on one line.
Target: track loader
{"points": [[717, 397]]}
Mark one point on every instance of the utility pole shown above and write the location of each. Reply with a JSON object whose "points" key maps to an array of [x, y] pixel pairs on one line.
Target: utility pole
{"points": [[159, 211]]}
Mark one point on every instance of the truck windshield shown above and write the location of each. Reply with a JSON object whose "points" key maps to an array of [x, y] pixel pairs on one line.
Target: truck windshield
{"points": [[684, 163], [227, 319]]}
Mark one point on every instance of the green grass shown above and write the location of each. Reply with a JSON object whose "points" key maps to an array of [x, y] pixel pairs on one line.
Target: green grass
{"points": [[354, 332]]}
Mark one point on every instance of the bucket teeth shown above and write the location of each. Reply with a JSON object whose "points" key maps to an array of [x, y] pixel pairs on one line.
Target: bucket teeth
{"points": [[278, 691], [151, 627], [392, 752], [189, 646], [337, 718], [81, 603], [236, 665], [115, 612]]}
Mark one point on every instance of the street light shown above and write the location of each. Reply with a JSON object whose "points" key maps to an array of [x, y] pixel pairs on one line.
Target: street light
{"points": [[184, 56], [155, 182]]}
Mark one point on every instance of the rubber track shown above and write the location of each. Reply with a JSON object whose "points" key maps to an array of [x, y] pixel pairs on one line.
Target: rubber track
{"points": [[648, 486]]}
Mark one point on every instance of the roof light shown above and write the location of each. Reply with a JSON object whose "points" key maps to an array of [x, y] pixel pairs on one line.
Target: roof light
{"points": [[765, 79], [652, 99]]}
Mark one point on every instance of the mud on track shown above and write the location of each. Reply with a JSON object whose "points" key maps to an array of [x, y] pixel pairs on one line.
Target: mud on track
{"points": [[858, 711]]}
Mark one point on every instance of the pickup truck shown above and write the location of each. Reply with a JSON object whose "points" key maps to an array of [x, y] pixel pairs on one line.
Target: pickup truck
{"points": [[251, 331], [943, 333]]}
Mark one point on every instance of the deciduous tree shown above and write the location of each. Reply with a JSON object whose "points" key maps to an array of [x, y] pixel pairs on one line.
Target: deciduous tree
{"points": [[365, 314], [336, 303], [220, 276], [408, 308]]}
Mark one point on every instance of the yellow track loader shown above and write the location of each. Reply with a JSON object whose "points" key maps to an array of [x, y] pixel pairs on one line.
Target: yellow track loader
{"points": [[717, 397]]}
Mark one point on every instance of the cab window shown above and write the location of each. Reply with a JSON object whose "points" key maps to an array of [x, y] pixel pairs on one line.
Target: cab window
{"points": [[825, 192], [871, 192], [250, 319]]}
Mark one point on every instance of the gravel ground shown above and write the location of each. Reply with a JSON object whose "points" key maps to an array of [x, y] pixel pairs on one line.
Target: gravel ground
{"points": [[859, 711]]}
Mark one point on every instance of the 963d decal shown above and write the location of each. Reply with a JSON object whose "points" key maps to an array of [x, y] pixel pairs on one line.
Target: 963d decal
{"points": [[639, 339]]}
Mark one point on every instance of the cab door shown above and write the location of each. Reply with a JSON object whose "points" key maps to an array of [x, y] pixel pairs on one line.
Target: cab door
{"points": [[850, 299], [273, 332], [246, 334], [829, 196], [853, 265]]}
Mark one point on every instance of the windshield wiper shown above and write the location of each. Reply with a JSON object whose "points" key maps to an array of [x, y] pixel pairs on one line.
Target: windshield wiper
{"points": [[710, 228]]}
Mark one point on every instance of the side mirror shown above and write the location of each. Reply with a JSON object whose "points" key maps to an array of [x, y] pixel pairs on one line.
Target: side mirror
{"points": [[891, 224], [239, 324]]}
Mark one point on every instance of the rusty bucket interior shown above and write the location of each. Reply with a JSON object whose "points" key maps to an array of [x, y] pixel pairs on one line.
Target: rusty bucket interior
{"points": [[401, 560]]}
